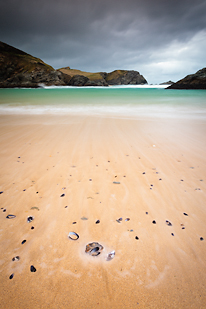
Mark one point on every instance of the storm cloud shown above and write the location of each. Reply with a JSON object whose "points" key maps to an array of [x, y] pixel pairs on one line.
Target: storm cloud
{"points": [[160, 39]]}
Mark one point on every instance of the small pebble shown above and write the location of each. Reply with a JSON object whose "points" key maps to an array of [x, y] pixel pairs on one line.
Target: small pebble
{"points": [[146, 212], [168, 223], [32, 227], [181, 180], [62, 195], [10, 217], [29, 219], [11, 276], [201, 238], [1, 192], [119, 220], [24, 190], [84, 218], [154, 222], [37, 192], [23, 242], [184, 213], [127, 219], [172, 234], [90, 179], [98, 221], [32, 269], [143, 173], [16, 258], [160, 178], [65, 206], [136, 237], [116, 182], [74, 222], [183, 228], [4, 210]]}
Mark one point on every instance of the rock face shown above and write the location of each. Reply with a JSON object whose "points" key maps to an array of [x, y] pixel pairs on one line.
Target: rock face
{"points": [[19, 69], [193, 81], [122, 77], [167, 83]]}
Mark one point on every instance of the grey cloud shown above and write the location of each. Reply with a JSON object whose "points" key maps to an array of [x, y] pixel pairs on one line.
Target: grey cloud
{"points": [[100, 35]]}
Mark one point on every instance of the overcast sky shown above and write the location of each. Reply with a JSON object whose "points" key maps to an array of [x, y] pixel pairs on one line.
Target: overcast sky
{"points": [[162, 39]]}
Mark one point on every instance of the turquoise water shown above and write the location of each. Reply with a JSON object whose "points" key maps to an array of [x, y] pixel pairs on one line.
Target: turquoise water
{"points": [[110, 101]]}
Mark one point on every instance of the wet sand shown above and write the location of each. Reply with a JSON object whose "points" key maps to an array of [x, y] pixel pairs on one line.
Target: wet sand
{"points": [[160, 167]]}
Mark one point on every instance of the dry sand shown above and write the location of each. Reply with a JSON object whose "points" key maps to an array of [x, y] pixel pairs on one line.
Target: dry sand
{"points": [[161, 167]]}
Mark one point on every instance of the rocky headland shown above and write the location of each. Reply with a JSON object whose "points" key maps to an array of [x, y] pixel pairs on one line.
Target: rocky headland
{"points": [[192, 81], [19, 69]]}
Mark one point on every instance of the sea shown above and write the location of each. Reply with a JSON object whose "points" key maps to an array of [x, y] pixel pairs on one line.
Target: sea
{"points": [[115, 101]]}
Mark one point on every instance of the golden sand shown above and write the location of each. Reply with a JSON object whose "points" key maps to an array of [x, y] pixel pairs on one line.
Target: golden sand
{"points": [[161, 169]]}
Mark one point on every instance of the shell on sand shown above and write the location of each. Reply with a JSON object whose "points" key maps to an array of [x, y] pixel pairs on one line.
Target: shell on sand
{"points": [[94, 248]]}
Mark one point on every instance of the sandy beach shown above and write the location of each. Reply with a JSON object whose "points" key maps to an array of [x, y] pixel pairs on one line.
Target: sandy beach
{"points": [[147, 170]]}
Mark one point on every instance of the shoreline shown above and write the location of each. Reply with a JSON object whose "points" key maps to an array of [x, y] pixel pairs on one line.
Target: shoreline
{"points": [[160, 168]]}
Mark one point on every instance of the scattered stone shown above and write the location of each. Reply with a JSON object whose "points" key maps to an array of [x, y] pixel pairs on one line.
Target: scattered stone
{"points": [[73, 236], [32, 227], [24, 190], [16, 258], [160, 178], [32, 269], [201, 238], [172, 234], [4, 210], [110, 256], [98, 221], [151, 185], [136, 237], [127, 219], [143, 173], [84, 218], [119, 220], [62, 195], [131, 230], [116, 182], [37, 192], [168, 223], [90, 179], [23, 242], [1, 192], [11, 276], [29, 219], [65, 206], [146, 212], [184, 213], [10, 216], [94, 248], [64, 188], [181, 180], [154, 222]]}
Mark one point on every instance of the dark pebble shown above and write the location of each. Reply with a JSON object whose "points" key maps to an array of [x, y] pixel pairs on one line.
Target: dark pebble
{"points": [[151, 185], [10, 217], [62, 195], [32, 227], [65, 206], [74, 222], [16, 258], [23, 242], [172, 234], [11, 276], [98, 221], [29, 219], [19, 157], [32, 269], [127, 219], [201, 238], [90, 179], [181, 180], [184, 213], [4, 210], [136, 237], [168, 223], [116, 182], [146, 212], [119, 220], [154, 222], [160, 178], [24, 190], [1, 192], [183, 228], [143, 173], [37, 192]]}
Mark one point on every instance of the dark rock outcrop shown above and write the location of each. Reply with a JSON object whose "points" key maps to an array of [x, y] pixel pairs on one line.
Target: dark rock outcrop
{"points": [[123, 77], [19, 69], [167, 83], [193, 81]]}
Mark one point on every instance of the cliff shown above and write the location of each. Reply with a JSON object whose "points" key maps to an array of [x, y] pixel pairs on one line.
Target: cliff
{"points": [[193, 81], [19, 69]]}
